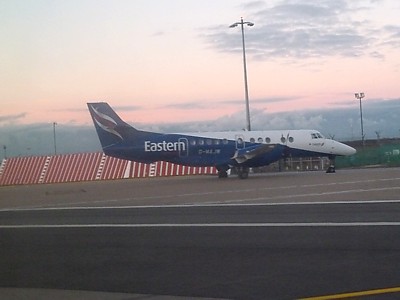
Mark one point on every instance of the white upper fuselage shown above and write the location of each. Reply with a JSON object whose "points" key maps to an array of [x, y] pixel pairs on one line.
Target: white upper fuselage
{"points": [[303, 140]]}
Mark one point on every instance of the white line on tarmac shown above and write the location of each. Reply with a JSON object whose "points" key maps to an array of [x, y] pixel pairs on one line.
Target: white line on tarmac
{"points": [[352, 224], [199, 205], [313, 194]]}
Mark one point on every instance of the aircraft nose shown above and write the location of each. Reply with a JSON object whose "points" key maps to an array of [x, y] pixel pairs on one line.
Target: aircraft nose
{"points": [[347, 150], [342, 149]]}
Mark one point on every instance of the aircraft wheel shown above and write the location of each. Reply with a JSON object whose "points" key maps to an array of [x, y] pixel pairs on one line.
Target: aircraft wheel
{"points": [[243, 173], [331, 168], [222, 174]]}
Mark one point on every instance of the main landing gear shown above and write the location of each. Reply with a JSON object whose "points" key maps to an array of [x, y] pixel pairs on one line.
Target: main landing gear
{"points": [[242, 172], [222, 172]]}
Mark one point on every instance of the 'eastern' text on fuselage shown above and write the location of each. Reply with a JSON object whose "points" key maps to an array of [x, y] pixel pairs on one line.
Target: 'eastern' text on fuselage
{"points": [[164, 146]]}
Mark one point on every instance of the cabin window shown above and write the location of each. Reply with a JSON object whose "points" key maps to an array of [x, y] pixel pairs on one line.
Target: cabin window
{"points": [[201, 142], [291, 139], [193, 142], [240, 141], [260, 140], [252, 140], [267, 140], [224, 141], [283, 139], [217, 142], [209, 141]]}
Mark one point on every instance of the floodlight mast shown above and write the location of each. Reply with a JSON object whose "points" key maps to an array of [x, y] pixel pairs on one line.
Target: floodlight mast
{"points": [[54, 138], [359, 96], [246, 90]]}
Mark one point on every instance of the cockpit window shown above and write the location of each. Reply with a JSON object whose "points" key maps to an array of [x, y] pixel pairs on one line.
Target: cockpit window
{"points": [[316, 135]]}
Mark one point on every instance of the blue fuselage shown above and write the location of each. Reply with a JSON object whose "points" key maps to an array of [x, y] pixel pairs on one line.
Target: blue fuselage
{"points": [[195, 150]]}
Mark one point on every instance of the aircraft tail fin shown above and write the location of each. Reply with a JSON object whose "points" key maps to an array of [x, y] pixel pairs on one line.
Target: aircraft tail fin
{"points": [[110, 128]]}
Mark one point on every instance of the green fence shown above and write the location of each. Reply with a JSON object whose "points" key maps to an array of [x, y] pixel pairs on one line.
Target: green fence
{"points": [[383, 155]]}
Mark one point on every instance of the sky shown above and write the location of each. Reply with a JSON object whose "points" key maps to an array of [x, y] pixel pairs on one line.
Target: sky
{"points": [[165, 63]]}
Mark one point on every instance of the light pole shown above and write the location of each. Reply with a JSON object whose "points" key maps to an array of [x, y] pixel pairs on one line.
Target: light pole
{"points": [[246, 90], [54, 136], [359, 96]]}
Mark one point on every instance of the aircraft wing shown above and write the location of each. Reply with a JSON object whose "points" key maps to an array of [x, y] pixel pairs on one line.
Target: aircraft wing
{"points": [[245, 154]]}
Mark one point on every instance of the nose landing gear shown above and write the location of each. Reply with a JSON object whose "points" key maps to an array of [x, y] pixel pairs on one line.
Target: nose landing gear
{"points": [[332, 167]]}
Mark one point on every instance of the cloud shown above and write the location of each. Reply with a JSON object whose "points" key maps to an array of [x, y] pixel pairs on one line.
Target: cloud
{"points": [[12, 118], [391, 36], [379, 115], [273, 99], [128, 107], [342, 122], [38, 139], [211, 105], [158, 33], [298, 29], [253, 5], [186, 106]]}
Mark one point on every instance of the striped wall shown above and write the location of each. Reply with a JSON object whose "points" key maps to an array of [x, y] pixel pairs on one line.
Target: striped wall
{"points": [[85, 167]]}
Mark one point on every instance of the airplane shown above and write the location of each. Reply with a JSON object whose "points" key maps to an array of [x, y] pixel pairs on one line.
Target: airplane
{"points": [[240, 150]]}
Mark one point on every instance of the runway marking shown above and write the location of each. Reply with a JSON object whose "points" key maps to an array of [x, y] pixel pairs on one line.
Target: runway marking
{"points": [[353, 224], [199, 205], [355, 294], [236, 191], [314, 194]]}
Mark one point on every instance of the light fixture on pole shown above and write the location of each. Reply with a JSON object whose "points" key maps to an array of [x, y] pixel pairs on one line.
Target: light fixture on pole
{"points": [[359, 96], [54, 137], [246, 91]]}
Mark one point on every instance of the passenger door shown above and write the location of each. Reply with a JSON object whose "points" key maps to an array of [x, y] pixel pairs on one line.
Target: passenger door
{"points": [[240, 143]]}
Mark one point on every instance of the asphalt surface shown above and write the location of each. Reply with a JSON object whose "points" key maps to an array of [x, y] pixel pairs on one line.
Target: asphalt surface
{"points": [[274, 236]]}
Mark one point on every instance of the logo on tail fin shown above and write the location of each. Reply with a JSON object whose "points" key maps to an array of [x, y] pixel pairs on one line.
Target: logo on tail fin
{"points": [[105, 122]]}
